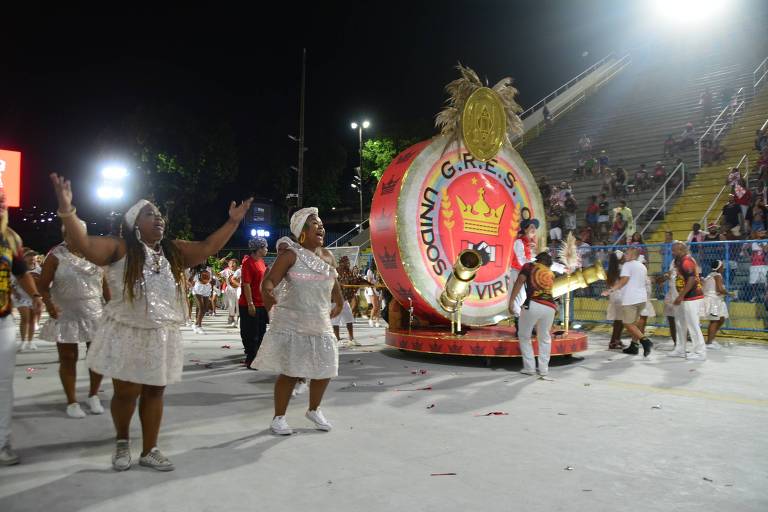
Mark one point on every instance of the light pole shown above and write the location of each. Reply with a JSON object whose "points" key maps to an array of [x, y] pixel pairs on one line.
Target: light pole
{"points": [[110, 191], [359, 185]]}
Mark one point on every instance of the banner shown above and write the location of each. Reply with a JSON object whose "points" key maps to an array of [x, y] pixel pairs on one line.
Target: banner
{"points": [[10, 176]]}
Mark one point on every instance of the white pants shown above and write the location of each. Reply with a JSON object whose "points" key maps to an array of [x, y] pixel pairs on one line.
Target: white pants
{"points": [[687, 321], [518, 302], [230, 300], [7, 367], [542, 317]]}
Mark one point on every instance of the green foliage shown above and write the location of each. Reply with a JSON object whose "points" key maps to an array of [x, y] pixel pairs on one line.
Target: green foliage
{"points": [[379, 153]]}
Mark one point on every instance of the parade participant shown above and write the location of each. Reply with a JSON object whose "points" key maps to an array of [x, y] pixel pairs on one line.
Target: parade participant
{"points": [[373, 296], [73, 289], [668, 278], [687, 305], [715, 308], [348, 293], [230, 278], [613, 312], [300, 341], [12, 260], [632, 284], [202, 290], [23, 303], [523, 251], [538, 310], [138, 342], [253, 315], [648, 311]]}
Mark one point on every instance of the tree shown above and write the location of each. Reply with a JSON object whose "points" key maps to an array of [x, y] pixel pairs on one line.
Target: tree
{"points": [[379, 153]]}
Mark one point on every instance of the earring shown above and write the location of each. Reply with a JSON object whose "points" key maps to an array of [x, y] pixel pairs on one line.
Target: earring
{"points": [[302, 237], [138, 233]]}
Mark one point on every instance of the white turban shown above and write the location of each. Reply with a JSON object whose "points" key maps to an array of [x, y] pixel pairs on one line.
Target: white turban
{"points": [[619, 254], [133, 212], [299, 218]]}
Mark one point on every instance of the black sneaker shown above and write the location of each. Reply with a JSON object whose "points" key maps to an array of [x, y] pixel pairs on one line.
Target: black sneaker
{"points": [[632, 349], [647, 344]]}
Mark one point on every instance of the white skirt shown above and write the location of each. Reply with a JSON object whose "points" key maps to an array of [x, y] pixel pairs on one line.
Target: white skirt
{"points": [[758, 274], [714, 308], [143, 356], [69, 331], [345, 317], [298, 355], [648, 310]]}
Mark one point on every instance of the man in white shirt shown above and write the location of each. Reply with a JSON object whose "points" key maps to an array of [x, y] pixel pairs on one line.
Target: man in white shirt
{"points": [[634, 297]]}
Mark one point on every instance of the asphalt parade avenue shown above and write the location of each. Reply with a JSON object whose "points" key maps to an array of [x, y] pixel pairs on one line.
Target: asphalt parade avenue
{"points": [[412, 432]]}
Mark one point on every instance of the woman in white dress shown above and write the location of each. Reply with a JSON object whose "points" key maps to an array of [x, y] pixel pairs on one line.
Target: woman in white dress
{"points": [[138, 341], [300, 342], [715, 308], [613, 312], [23, 303], [373, 296], [73, 289], [230, 278], [202, 290]]}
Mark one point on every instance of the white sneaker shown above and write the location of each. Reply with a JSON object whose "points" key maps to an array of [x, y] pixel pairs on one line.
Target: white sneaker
{"points": [[8, 457], [370, 323], [714, 346], [27, 346], [94, 403], [121, 459], [676, 353], [74, 411], [376, 324], [200, 330], [354, 343], [156, 460], [319, 420], [280, 426], [697, 357]]}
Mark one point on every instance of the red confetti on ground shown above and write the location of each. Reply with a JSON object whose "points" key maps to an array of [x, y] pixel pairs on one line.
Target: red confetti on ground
{"points": [[443, 474], [494, 413], [428, 388]]}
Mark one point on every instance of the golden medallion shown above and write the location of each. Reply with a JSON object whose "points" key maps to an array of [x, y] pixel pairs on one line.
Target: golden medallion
{"points": [[484, 124]]}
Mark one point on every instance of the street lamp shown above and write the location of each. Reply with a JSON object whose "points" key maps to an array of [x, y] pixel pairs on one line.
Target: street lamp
{"points": [[111, 190], [359, 178]]}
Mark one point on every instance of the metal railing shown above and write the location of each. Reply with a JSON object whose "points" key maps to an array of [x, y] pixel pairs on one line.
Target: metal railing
{"points": [[535, 131], [666, 197], [723, 120], [762, 71], [567, 85], [743, 160], [349, 235]]}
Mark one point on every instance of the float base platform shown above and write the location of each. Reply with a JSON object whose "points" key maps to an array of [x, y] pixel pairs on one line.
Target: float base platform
{"points": [[478, 341]]}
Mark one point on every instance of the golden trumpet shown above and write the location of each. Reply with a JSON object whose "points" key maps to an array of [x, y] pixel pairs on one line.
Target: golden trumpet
{"points": [[579, 279], [459, 284]]}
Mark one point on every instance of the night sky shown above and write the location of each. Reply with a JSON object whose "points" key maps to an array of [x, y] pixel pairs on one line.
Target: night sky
{"points": [[72, 75]]}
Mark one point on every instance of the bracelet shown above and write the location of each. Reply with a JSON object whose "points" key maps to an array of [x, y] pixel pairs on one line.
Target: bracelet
{"points": [[64, 215]]}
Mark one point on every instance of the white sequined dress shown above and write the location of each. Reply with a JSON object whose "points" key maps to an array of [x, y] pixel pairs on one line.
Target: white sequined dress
{"points": [[300, 340], [140, 341], [77, 292], [714, 304]]}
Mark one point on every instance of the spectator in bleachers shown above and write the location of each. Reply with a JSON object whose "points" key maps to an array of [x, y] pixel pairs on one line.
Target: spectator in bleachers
{"points": [[593, 212], [696, 234], [642, 179], [570, 208], [713, 233], [618, 228], [761, 140], [731, 212], [555, 222], [609, 182], [744, 200], [578, 171], [759, 215], [659, 173], [621, 181], [637, 240], [547, 115], [718, 153], [586, 234], [687, 138], [545, 188], [603, 217], [733, 177], [669, 146], [602, 161], [626, 215], [562, 194], [589, 166], [585, 144], [758, 269]]}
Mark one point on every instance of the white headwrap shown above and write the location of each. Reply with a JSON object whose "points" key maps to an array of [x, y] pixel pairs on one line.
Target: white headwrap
{"points": [[299, 218], [133, 212], [619, 254]]}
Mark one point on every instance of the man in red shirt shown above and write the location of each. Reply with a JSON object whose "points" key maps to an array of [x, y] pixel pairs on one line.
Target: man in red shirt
{"points": [[687, 304], [253, 315]]}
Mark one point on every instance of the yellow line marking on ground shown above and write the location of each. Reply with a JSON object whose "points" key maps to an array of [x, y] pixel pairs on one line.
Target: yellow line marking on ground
{"points": [[690, 393]]}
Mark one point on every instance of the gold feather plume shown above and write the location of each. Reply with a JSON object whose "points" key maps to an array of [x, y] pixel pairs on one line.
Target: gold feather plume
{"points": [[448, 120], [568, 254]]}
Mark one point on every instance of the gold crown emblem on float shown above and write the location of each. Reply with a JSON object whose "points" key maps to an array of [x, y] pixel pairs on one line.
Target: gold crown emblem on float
{"points": [[479, 217]]}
